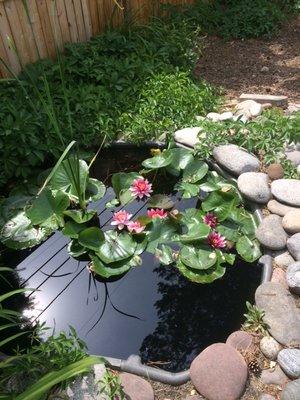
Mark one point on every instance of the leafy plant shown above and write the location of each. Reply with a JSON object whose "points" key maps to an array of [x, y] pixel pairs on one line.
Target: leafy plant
{"points": [[111, 387], [255, 319]]}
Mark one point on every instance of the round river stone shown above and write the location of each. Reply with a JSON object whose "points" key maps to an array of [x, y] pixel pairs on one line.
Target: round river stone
{"points": [[274, 377], [283, 258], [271, 234], [293, 245], [135, 387], [289, 360], [240, 340], [255, 186], [287, 191], [275, 171], [187, 136], [293, 277], [235, 159], [278, 208], [269, 347], [291, 221], [281, 313], [291, 391], [219, 373]]}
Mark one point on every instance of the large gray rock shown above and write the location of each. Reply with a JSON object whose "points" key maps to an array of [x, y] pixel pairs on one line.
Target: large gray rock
{"points": [[291, 221], [293, 245], [269, 347], [283, 258], [291, 391], [219, 373], [293, 277], [255, 186], [287, 191], [281, 313], [188, 136], [274, 377], [271, 234], [249, 107], [294, 157], [280, 209], [289, 360], [235, 160]]}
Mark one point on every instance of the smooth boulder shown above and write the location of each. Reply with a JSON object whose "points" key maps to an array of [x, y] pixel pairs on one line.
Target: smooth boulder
{"points": [[235, 159], [287, 191], [135, 387], [271, 234], [219, 373], [291, 391], [269, 347], [293, 277], [255, 186], [289, 361], [293, 245], [280, 209], [240, 340], [291, 221], [188, 136], [281, 313], [282, 258], [274, 376]]}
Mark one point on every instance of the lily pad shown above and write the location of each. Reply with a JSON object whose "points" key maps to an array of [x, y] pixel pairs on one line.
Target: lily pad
{"points": [[114, 269], [117, 246], [195, 171], [159, 161], [248, 249], [160, 201], [95, 190], [201, 276], [165, 255], [198, 258], [91, 238]]}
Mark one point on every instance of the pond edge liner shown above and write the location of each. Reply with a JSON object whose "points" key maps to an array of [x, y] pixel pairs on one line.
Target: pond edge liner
{"points": [[133, 363]]}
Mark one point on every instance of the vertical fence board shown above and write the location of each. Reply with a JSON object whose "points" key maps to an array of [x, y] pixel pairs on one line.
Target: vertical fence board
{"points": [[53, 23]]}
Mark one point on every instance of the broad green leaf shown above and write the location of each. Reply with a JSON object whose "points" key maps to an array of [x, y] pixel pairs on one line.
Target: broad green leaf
{"points": [[230, 230], [196, 231], [198, 258], [12, 206], [159, 161], [164, 254], [188, 190], [221, 203], [75, 249], [248, 249], [95, 190], [92, 238], [160, 231], [112, 203], [201, 276], [160, 201], [122, 181], [71, 177], [180, 158], [72, 229], [245, 220], [195, 171], [80, 216], [117, 246], [118, 268]]}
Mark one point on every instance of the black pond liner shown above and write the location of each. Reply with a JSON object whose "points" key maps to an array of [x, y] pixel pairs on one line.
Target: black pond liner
{"points": [[152, 312]]}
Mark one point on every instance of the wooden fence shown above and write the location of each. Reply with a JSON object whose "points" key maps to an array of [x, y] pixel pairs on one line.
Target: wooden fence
{"points": [[38, 27]]}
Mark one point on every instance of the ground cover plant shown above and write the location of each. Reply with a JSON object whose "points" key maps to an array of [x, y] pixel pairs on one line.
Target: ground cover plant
{"points": [[134, 83], [266, 136], [203, 235]]}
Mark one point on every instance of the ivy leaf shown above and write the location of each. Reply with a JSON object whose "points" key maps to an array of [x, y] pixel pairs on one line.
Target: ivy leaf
{"points": [[248, 249], [195, 171], [91, 238], [95, 190], [117, 246], [160, 201], [198, 258]]}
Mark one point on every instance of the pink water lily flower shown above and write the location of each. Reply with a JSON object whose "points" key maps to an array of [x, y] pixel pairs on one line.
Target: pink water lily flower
{"points": [[141, 188], [121, 219], [157, 213], [216, 241], [135, 227], [211, 220]]}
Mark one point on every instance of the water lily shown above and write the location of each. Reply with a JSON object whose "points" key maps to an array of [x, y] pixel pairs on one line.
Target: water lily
{"points": [[121, 219], [216, 241], [157, 213], [141, 188], [135, 227], [211, 220]]}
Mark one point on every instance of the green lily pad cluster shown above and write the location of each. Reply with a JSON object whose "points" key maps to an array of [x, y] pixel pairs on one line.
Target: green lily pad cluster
{"points": [[200, 241]]}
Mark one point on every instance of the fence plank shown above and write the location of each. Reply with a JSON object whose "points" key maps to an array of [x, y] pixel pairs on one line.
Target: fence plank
{"points": [[72, 20], [79, 20], [87, 19], [63, 20], [37, 29], [6, 33], [27, 31], [55, 27], [46, 26], [3, 56]]}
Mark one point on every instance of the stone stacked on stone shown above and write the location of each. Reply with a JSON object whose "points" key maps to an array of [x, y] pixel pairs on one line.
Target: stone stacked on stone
{"points": [[293, 245], [274, 376], [240, 340], [287, 191], [269, 347], [255, 186], [271, 234], [291, 221], [282, 258], [293, 277], [280, 209], [289, 361]]}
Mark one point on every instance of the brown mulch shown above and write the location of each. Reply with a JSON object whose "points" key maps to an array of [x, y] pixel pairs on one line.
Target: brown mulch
{"points": [[262, 66]]}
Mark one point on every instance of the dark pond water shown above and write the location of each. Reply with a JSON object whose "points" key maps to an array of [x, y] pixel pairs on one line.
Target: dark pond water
{"points": [[152, 311]]}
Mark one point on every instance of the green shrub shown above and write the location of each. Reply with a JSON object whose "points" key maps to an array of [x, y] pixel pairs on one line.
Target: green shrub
{"points": [[238, 18], [110, 81]]}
